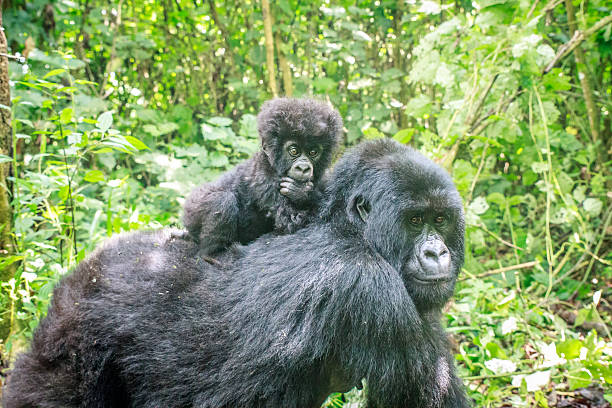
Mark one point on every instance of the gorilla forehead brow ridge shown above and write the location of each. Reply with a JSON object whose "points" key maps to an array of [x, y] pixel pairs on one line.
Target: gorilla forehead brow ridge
{"points": [[408, 171]]}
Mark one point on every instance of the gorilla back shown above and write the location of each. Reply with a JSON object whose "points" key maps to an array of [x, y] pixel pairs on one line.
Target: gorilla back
{"points": [[144, 323]]}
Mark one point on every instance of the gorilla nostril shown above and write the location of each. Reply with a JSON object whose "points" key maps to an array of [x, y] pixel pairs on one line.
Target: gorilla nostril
{"points": [[430, 254]]}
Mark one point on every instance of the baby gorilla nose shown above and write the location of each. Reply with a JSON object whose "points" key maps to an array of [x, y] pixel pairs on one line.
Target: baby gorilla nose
{"points": [[435, 260], [301, 171]]}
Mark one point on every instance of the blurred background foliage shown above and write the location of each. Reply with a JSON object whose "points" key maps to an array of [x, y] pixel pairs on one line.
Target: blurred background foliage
{"points": [[117, 109]]}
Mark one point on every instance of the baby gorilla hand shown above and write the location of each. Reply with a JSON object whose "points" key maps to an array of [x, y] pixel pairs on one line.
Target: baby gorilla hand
{"points": [[297, 192]]}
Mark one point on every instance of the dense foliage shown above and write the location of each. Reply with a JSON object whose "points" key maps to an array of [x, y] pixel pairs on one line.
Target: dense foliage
{"points": [[119, 109]]}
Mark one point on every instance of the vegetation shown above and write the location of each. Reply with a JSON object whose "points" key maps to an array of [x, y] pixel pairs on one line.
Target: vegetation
{"points": [[116, 110]]}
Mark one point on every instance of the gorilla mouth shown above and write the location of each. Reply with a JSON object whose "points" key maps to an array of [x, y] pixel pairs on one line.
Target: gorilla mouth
{"points": [[432, 280]]}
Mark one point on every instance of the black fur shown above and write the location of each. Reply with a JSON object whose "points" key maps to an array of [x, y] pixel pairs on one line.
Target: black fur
{"points": [[290, 319], [247, 202]]}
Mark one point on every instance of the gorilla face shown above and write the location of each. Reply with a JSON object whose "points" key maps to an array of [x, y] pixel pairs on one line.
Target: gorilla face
{"points": [[432, 252], [299, 160], [299, 137], [409, 211]]}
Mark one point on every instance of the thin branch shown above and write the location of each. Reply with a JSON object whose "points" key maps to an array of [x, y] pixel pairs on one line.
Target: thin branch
{"points": [[472, 118], [480, 124], [498, 238], [577, 39], [482, 377], [504, 269]]}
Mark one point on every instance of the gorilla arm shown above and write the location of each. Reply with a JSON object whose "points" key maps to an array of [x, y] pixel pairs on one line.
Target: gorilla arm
{"points": [[211, 216]]}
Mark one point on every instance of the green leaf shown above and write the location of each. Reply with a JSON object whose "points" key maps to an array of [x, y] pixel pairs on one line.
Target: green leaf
{"points": [[373, 133], [219, 121], [539, 167], [479, 205], [592, 206], [496, 198], [404, 136], [105, 121], [361, 36], [64, 193], [5, 159], [418, 106], [136, 143], [579, 379], [165, 128], [66, 115], [151, 129], [94, 176], [54, 72], [569, 349], [324, 84]]}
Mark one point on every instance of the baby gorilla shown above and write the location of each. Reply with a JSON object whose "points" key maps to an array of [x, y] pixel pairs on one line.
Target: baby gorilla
{"points": [[278, 188]]}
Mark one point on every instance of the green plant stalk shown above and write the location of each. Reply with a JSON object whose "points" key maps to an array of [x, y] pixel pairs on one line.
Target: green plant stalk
{"points": [[109, 229], [592, 261], [71, 201], [483, 157], [498, 238], [548, 180]]}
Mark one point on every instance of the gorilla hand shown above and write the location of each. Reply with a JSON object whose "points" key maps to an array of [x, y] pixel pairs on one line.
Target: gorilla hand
{"points": [[297, 192]]}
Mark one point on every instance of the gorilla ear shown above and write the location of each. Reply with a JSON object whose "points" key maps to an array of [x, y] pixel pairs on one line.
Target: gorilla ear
{"points": [[361, 207], [266, 150]]}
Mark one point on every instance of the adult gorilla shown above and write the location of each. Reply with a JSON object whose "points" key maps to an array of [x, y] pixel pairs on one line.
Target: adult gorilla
{"points": [[144, 323]]}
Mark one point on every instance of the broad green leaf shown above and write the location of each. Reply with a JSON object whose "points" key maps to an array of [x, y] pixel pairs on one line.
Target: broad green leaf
{"points": [[479, 205], [219, 121], [361, 36], [593, 206], [66, 115], [94, 176], [373, 133], [54, 72], [579, 379], [105, 121], [569, 349], [539, 167], [136, 143], [404, 136]]}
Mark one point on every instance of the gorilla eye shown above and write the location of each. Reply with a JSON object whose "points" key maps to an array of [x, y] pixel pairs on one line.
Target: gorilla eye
{"points": [[293, 150], [417, 219], [439, 219], [313, 153]]}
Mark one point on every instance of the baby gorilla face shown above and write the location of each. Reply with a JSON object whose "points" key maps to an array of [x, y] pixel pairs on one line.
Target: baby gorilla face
{"points": [[302, 160]]}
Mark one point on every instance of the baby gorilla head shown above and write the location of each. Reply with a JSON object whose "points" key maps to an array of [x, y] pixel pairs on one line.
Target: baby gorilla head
{"points": [[299, 137]]}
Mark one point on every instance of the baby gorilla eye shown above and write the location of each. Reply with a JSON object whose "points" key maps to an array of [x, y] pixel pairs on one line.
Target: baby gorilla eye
{"points": [[293, 150], [313, 153], [439, 219], [416, 220]]}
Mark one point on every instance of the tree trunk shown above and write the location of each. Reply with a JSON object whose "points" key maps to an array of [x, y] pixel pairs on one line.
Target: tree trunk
{"points": [[267, 19], [285, 68], [583, 75], [6, 139]]}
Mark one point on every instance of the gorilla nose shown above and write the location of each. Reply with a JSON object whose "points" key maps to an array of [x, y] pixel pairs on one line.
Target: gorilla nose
{"points": [[303, 169], [435, 258]]}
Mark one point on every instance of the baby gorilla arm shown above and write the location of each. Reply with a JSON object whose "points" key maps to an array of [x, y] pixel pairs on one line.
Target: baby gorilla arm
{"points": [[211, 217]]}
